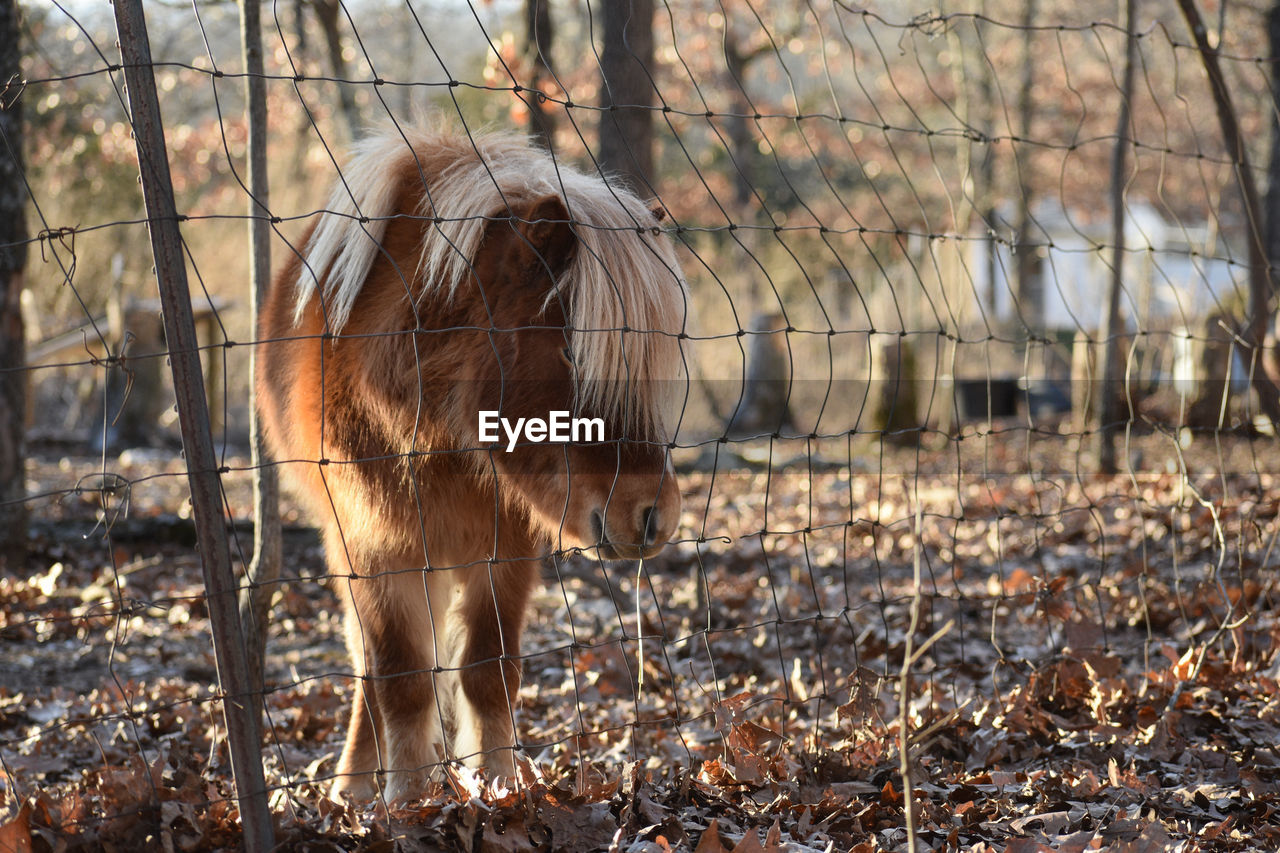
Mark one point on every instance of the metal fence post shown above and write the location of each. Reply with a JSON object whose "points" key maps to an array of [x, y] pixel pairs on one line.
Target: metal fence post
{"points": [[264, 570], [243, 732]]}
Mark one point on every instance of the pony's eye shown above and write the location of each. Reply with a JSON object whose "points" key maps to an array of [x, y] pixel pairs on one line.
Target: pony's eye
{"points": [[567, 354]]}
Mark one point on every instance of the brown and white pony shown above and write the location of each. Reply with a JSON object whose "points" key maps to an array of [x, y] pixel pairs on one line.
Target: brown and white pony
{"points": [[451, 274]]}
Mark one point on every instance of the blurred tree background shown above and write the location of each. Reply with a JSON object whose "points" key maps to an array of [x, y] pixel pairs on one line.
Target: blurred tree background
{"points": [[834, 171]]}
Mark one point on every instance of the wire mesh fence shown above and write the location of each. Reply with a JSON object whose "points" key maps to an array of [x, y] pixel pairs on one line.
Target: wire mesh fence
{"points": [[958, 321]]}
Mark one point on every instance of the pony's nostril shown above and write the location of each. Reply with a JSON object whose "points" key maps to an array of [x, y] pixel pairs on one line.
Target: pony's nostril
{"points": [[649, 525], [597, 526]]}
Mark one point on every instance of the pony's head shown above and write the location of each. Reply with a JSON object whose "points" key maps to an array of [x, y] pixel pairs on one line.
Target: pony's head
{"points": [[611, 486], [538, 294]]}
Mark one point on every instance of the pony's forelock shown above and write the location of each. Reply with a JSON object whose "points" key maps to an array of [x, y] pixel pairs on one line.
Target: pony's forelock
{"points": [[625, 293]]}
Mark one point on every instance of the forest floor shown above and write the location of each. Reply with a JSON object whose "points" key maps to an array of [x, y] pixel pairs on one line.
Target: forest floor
{"points": [[1090, 663]]}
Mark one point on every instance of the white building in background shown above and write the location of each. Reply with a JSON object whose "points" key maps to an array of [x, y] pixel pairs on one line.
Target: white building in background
{"points": [[1174, 274]]}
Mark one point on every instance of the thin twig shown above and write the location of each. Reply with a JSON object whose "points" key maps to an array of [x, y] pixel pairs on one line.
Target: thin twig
{"points": [[904, 694]]}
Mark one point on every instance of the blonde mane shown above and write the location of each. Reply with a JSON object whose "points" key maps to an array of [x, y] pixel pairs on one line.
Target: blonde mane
{"points": [[626, 296]]}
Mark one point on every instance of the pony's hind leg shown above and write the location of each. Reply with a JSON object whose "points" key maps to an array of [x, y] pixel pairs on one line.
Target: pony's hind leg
{"points": [[491, 616]]}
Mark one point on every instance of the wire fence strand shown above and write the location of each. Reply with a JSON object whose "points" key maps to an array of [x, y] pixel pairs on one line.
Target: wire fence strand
{"points": [[895, 278]]}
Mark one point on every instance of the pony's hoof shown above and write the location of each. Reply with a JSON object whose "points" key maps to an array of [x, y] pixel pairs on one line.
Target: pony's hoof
{"points": [[356, 788], [501, 764], [404, 787]]}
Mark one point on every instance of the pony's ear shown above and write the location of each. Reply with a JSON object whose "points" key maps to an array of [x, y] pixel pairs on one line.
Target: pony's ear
{"points": [[546, 233]]}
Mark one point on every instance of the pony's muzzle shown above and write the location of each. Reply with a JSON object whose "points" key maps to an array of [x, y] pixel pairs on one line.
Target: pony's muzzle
{"points": [[597, 527], [649, 526], [646, 538]]}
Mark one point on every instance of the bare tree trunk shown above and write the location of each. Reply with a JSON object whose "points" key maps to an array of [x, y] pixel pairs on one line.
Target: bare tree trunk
{"points": [[741, 144], [264, 570], [1271, 202], [1030, 302], [300, 59], [1213, 351], [1112, 368], [1260, 282], [896, 403], [409, 37], [743, 151], [329, 14], [763, 408], [976, 167], [963, 106], [984, 183], [626, 120], [539, 35], [1084, 369], [13, 257]]}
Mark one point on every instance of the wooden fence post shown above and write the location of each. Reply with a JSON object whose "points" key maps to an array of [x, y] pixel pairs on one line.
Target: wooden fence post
{"points": [[13, 257], [243, 733]]}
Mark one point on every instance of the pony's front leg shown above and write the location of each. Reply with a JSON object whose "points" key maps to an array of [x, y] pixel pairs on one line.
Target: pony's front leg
{"points": [[411, 724], [390, 627], [361, 754], [364, 752], [491, 615]]}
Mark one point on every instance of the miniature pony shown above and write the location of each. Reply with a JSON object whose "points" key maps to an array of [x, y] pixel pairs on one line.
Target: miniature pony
{"points": [[451, 275]]}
